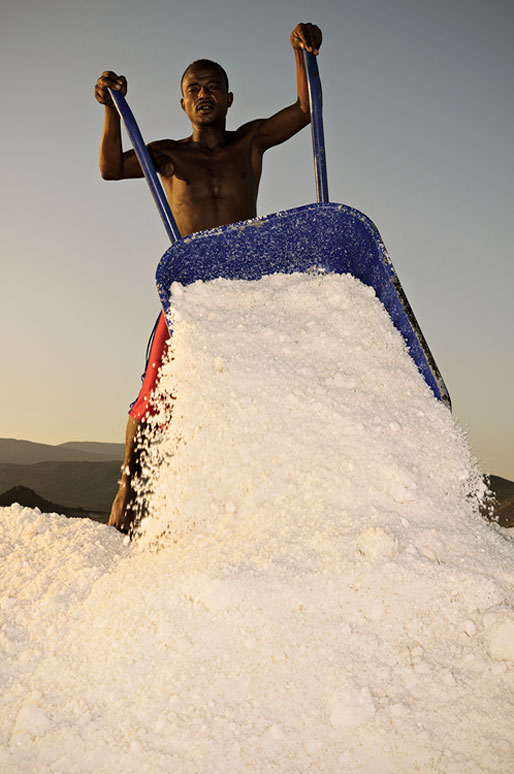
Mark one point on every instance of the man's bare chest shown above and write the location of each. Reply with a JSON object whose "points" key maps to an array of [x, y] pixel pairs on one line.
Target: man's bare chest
{"points": [[193, 166]]}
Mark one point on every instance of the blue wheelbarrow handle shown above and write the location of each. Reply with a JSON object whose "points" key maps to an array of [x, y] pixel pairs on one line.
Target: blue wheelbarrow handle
{"points": [[318, 137], [155, 186], [146, 164]]}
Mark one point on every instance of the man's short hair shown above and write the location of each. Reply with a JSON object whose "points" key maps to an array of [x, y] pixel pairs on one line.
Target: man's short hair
{"points": [[204, 63]]}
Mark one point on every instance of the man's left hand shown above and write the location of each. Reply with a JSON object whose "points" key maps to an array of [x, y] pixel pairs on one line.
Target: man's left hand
{"points": [[307, 36]]}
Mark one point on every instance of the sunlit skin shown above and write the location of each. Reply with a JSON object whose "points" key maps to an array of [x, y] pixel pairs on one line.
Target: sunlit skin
{"points": [[211, 178]]}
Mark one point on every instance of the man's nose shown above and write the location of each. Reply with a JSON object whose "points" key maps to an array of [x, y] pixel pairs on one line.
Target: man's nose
{"points": [[204, 91]]}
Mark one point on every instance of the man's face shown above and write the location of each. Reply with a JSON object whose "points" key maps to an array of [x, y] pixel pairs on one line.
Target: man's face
{"points": [[205, 99]]}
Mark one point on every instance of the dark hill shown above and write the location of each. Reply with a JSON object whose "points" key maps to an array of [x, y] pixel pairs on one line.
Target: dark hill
{"points": [[30, 499], [88, 485]]}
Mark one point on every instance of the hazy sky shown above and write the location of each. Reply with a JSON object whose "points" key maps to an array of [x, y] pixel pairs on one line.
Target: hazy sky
{"points": [[419, 117]]}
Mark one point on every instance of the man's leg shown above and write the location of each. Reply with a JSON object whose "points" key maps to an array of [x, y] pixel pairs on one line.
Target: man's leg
{"points": [[123, 508], [124, 511]]}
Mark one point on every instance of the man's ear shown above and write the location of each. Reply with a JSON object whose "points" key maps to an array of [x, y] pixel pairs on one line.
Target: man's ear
{"points": [[182, 104], [230, 99]]}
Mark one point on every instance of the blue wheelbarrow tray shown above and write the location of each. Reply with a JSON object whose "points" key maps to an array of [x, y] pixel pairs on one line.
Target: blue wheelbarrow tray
{"points": [[324, 236]]}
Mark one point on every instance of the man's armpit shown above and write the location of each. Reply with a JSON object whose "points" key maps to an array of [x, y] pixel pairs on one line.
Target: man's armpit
{"points": [[161, 159]]}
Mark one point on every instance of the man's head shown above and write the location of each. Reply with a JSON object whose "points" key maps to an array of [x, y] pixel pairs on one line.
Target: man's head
{"points": [[204, 63], [205, 94]]}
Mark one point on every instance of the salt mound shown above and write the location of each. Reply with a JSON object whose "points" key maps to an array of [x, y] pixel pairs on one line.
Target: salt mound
{"points": [[298, 417], [325, 597]]}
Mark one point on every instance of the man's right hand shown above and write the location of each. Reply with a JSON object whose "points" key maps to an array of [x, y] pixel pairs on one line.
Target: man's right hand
{"points": [[109, 80]]}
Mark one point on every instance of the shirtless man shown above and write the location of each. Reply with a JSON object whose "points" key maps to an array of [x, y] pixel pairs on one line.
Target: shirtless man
{"points": [[211, 178]]}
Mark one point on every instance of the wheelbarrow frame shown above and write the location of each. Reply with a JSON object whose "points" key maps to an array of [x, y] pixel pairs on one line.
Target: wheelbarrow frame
{"points": [[323, 237]]}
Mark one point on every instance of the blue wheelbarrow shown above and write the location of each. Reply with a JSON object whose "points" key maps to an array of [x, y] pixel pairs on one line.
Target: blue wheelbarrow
{"points": [[324, 236]]}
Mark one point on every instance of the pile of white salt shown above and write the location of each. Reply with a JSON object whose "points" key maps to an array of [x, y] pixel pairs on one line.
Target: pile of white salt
{"points": [[326, 597]]}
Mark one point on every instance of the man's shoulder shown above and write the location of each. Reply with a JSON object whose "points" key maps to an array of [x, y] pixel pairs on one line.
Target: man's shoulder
{"points": [[250, 128], [168, 145], [165, 153]]}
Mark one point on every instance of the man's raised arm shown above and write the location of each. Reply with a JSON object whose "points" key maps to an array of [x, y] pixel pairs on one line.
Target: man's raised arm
{"points": [[291, 119], [114, 164]]}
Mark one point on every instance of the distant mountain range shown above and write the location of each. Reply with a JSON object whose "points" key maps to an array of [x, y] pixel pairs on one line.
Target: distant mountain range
{"points": [[79, 478], [71, 476], [14, 451]]}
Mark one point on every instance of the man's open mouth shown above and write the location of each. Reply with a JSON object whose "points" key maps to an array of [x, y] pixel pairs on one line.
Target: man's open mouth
{"points": [[204, 106]]}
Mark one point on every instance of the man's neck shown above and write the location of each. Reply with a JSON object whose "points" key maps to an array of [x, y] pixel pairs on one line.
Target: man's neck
{"points": [[209, 137]]}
